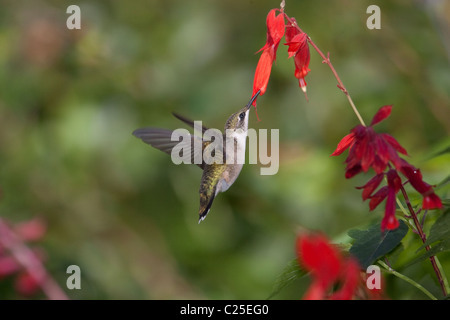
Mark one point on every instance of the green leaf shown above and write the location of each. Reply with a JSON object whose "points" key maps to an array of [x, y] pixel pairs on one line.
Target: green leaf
{"points": [[290, 273], [440, 153], [443, 246], [440, 230], [442, 183], [371, 244], [393, 256], [439, 238]]}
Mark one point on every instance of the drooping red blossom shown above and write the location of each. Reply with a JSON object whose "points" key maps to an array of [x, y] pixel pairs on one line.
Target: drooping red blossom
{"points": [[430, 199], [297, 41], [389, 221], [368, 149], [275, 32], [327, 267]]}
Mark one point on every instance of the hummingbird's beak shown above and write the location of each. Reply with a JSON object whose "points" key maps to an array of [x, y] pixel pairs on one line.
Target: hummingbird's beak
{"points": [[249, 104]]}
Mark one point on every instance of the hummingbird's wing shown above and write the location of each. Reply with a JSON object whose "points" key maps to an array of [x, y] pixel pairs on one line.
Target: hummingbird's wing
{"points": [[215, 151], [188, 121], [162, 139]]}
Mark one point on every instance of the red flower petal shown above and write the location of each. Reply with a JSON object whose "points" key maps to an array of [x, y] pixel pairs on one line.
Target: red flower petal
{"points": [[394, 143], [431, 201], [414, 177], [26, 284], [31, 230], [291, 30], [382, 150], [350, 275], [368, 157], [382, 114], [394, 180], [275, 28], [327, 268], [299, 49], [378, 165], [319, 257], [315, 292], [301, 61], [378, 197], [295, 45], [8, 265], [275, 32], [371, 185], [262, 73], [344, 144], [389, 223], [352, 171]]}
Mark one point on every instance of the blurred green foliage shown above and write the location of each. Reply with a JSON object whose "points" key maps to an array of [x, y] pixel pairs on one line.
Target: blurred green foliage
{"points": [[69, 100]]}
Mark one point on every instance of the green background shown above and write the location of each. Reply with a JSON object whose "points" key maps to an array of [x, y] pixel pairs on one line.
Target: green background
{"points": [[126, 215]]}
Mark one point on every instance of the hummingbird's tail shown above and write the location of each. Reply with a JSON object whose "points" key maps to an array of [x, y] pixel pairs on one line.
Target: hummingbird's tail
{"points": [[205, 206]]}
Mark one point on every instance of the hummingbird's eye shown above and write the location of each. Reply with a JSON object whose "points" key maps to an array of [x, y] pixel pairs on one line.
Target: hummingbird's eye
{"points": [[242, 115]]}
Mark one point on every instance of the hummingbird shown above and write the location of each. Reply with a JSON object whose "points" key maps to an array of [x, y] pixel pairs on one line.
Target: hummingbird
{"points": [[217, 176]]}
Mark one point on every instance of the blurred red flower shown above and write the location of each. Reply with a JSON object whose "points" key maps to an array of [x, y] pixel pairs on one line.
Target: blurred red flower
{"points": [[26, 284], [8, 265], [327, 267], [31, 230]]}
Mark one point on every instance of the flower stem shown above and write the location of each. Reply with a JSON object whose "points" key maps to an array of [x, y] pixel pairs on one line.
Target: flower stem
{"points": [[340, 83], [405, 278], [436, 266], [326, 59]]}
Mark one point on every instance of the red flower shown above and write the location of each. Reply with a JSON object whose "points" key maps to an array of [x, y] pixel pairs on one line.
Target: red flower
{"points": [[275, 31], [327, 267], [370, 149], [299, 49], [11, 262]]}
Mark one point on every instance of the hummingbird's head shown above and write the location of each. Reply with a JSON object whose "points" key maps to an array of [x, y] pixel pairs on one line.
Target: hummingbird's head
{"points": [[239, 120]]}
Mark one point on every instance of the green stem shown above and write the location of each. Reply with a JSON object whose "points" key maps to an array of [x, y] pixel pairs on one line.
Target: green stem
{"points": [[444, 277], [405, 278], [436, 266]]}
